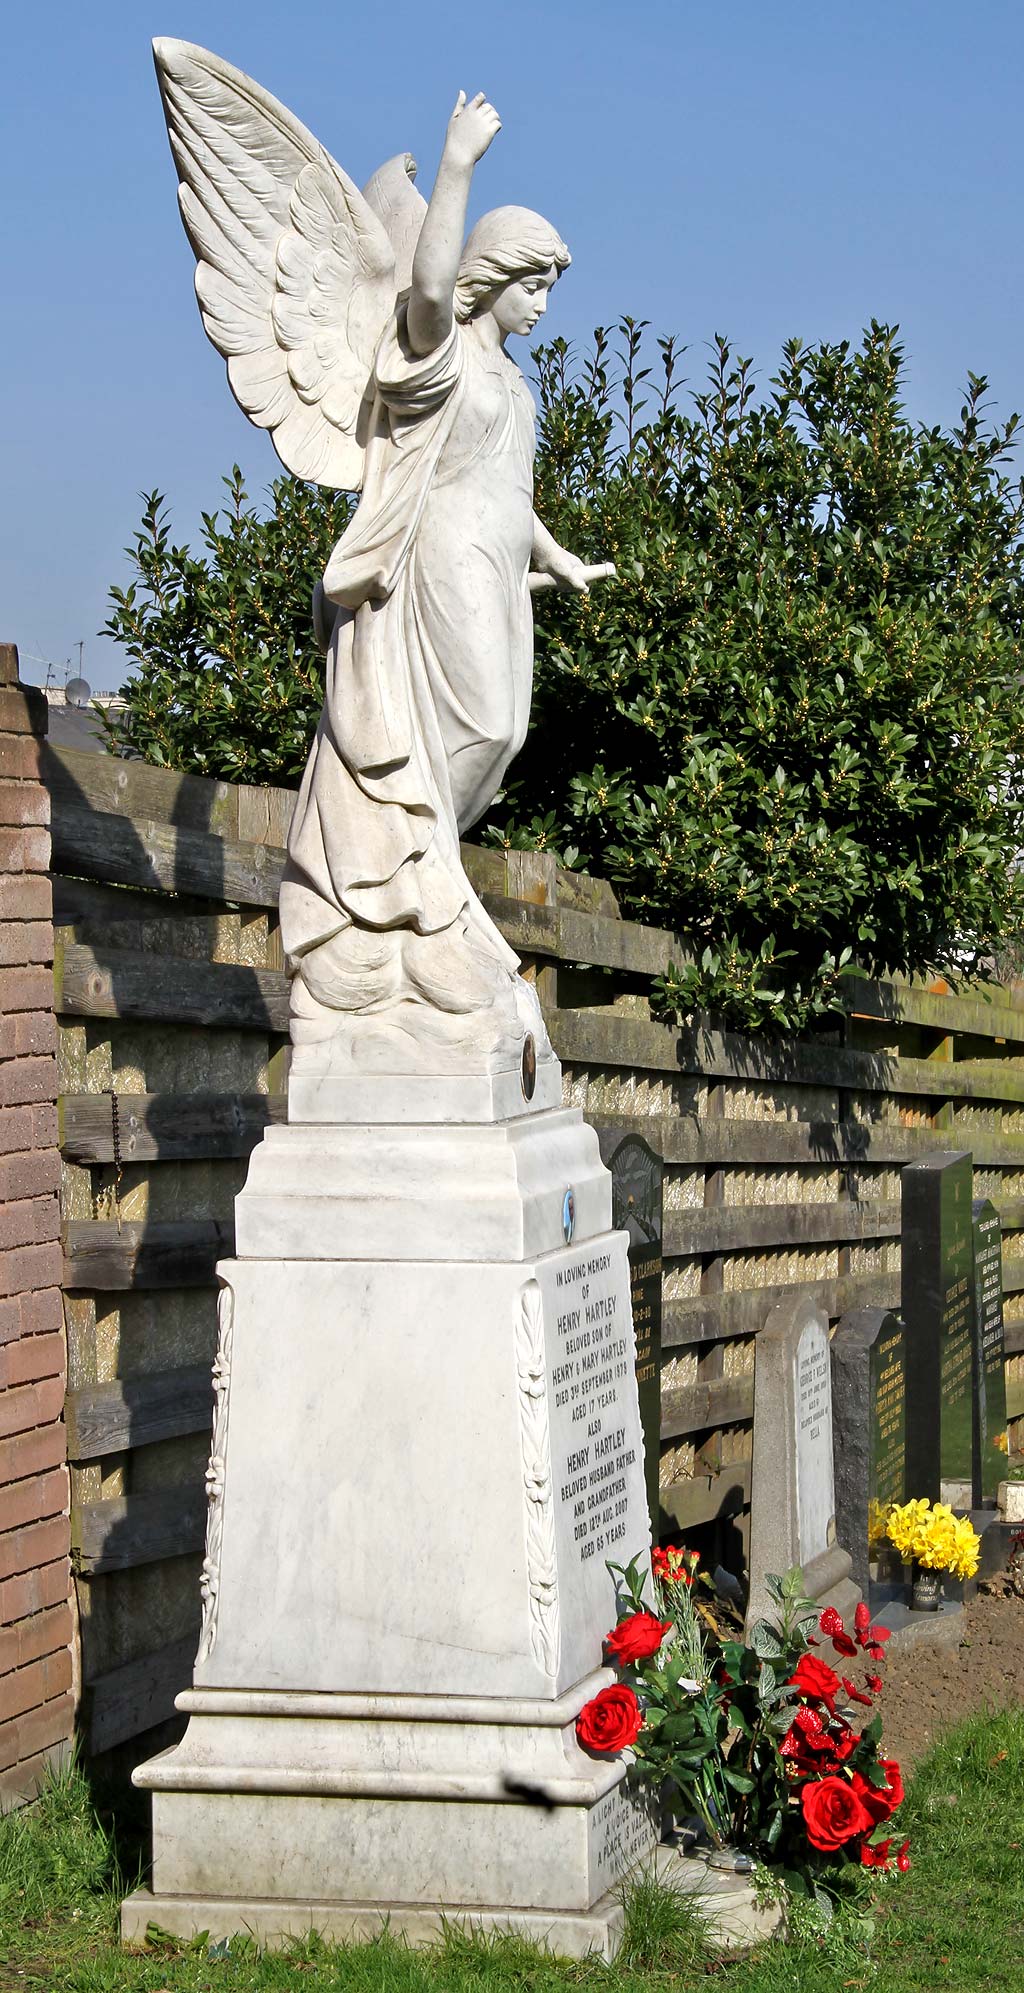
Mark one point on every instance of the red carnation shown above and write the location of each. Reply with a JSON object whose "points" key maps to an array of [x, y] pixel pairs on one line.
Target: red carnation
{"points": [[871, 1638], [610, 1721], [811, 1750], [637, 1638], [817, 1679], [833, 1813]]}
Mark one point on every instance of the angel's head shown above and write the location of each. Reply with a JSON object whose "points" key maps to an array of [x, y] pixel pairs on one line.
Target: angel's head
{"points": [[508, 266]]}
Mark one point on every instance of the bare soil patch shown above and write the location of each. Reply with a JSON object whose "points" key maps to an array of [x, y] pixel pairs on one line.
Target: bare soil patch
{"points": [[929, 1688]]}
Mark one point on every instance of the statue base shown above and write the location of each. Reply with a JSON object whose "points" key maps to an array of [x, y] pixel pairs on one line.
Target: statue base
{"points": [[427, 1444]]}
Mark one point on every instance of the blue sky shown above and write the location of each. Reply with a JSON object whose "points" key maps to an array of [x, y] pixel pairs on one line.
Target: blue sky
{"points": [[757, 169]]}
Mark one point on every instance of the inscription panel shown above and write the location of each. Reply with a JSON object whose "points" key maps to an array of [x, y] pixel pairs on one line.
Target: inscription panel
{"points": [[622, 1828], [597, 1462], [990, 1436], [815, 1494]]}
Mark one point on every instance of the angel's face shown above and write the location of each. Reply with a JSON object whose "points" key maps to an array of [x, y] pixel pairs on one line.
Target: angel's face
{"points": [[519, 305]]}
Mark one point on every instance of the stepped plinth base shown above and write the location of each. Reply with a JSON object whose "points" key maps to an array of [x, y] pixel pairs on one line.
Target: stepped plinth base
{"points": [[426, 1448]]}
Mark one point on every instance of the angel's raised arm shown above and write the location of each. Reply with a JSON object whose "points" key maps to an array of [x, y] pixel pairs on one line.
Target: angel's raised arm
{"points": [[471, 128]]}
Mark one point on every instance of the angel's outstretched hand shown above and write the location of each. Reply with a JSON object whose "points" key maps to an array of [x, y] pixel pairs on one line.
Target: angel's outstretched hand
{"points": [[471, 128]]}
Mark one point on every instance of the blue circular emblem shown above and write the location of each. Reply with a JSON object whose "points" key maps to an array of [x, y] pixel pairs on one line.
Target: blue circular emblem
{"points": [[568, 1215]]}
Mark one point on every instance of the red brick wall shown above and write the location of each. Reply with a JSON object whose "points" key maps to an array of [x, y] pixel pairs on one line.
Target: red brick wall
{"points": [[36, 1631]]}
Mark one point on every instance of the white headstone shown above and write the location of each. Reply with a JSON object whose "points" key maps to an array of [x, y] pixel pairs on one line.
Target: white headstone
{"points": [[792, 1497]]}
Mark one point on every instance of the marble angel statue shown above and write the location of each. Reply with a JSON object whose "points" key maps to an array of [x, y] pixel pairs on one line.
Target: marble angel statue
{"points": [[369, 339]]}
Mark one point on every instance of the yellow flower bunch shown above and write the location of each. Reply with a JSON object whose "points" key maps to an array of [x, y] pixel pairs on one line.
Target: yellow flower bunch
{"points": [[934, 1537], [878, 1520]]}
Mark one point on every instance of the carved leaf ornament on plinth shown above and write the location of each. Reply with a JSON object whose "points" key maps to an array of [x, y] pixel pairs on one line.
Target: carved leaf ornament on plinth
{"points": [[209, 1582], [542, 1567]]}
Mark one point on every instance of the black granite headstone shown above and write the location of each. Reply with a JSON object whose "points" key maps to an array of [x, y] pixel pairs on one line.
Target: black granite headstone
{"points": [[869, 1439], [938, 1278], [637, 1174], [990, 1441]]}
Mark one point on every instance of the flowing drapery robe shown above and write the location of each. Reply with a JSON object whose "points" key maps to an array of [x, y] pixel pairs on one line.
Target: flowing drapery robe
{"points": [[428, 692]]}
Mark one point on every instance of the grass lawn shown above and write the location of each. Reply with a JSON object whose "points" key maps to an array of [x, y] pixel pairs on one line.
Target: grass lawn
{"points": [[956, 1921]]}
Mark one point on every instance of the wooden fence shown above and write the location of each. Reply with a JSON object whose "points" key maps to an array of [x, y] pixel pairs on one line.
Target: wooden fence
{"points": [[782, 1164]]}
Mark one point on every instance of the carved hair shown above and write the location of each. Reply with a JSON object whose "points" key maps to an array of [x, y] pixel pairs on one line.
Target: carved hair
{"points": [[505, 245]]}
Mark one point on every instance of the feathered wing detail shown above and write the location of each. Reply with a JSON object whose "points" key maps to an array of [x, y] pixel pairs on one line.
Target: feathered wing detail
{"points": [[295, 272], [392, 195]]}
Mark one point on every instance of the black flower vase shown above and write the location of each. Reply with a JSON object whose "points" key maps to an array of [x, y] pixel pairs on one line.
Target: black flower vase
{"points": [[925, 1589]]}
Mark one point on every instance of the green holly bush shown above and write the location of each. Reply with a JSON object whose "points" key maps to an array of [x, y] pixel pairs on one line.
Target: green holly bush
{"points": [[791, 730], [228, 679]]}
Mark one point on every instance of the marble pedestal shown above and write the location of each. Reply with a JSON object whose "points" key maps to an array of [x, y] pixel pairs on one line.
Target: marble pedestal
{"points": [[427, 1443]]}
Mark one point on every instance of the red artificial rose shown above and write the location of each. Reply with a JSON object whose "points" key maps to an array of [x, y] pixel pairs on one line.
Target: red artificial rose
{"points": [[880, 1801], [817, 1679], [610, 1720], [833, 1813], [637, 1638]]}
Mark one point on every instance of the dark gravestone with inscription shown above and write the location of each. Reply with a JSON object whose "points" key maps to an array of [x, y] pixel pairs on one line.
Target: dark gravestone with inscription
{"points": [[990, 1441], [637, 1174], [869, 1439], [938, 1306]]}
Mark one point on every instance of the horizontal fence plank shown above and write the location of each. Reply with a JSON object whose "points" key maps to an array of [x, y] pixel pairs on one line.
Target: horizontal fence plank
{"points": [[705, 1497], [175, 1127], [714, 1142], [901, 1002], [79, 779], [105, 1258], [111, 1418], [118, 1534], [701, 1318], [109, 982], [87, 903], [165, 1127], [138, 1695], [727, 1228], [752, 1227], [701, 1407], [132, 851], [607, 1038]]}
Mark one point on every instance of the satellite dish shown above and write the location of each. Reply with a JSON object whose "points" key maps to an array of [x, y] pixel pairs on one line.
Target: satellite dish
{"points": [[78, 691]]}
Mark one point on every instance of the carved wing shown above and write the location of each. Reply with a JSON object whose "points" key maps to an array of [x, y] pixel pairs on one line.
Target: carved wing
{"points": [[392, 195], [295, 272]]}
